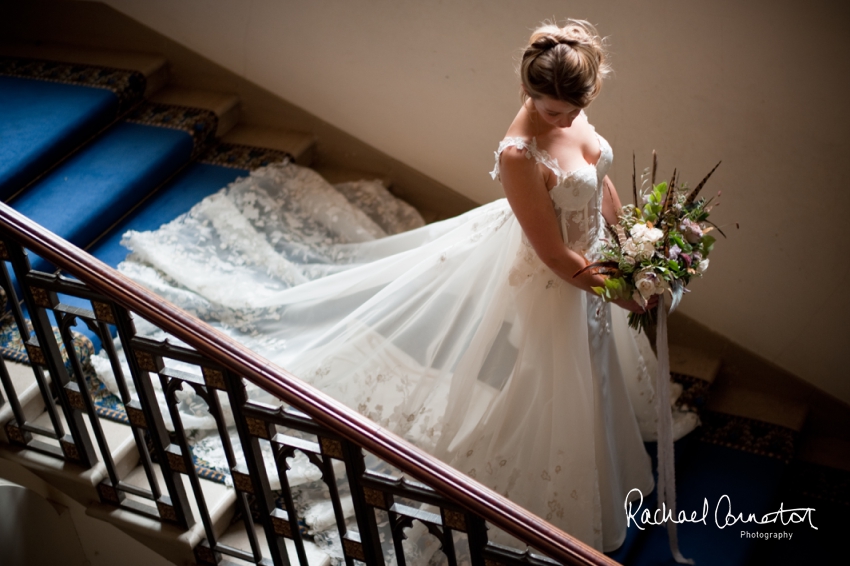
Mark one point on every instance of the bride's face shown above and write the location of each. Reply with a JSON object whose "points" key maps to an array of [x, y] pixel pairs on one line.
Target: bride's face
{"points": [[556, 112]]}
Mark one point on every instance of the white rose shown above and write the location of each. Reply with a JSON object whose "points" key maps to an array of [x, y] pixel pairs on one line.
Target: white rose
{"points": [[630, 248], [703, 265], [638, 250], [648, 283], [643, 233], [638, 230], [645, 287], [653, 235]]}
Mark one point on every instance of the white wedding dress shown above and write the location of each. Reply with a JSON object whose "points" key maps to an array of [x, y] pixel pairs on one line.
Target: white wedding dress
{"points": [[453, 335]]}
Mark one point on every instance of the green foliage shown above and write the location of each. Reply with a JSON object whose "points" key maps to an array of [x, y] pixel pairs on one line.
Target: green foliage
{"points": [[654, 202], [707, 244], [615, 288]]}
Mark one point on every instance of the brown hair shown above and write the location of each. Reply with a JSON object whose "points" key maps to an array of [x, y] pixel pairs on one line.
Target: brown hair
{"points": [[564, 63]]}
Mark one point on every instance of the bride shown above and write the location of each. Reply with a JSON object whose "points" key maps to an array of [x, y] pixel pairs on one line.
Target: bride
{"points": [[469, 337]]}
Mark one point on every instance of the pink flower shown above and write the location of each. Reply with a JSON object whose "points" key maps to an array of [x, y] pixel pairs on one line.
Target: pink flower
{"points": [[691, 230]]}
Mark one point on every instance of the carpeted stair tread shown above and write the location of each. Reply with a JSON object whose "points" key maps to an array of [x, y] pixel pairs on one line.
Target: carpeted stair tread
{"points": [[301, 146], [42, 121], [154, 67], [758, 406], [224, 106], [96, 187]]}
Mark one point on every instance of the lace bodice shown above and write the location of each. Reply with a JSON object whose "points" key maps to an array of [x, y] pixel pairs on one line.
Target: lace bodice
{"points": [[577, 195]]}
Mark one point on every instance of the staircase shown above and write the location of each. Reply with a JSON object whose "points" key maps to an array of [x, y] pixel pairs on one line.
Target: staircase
{"points": [[96, 143]]}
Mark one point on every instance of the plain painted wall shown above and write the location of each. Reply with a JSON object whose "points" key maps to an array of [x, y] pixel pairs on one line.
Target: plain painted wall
{"points": [[760, 84]]}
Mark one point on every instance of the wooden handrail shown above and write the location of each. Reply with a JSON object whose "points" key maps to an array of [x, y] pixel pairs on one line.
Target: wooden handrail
{"points": [[349, 424]]}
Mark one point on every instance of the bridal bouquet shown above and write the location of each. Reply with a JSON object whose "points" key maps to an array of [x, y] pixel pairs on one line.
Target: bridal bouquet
{"points": [[659, 244]]}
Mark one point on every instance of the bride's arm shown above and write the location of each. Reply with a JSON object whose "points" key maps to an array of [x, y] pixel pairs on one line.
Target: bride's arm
{"points": [[525, 188], [610, 202]]}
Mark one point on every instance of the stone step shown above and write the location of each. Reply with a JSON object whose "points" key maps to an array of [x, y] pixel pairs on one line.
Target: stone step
{"points": [[168, 540], [29, 397], [758, 406], [334, 175], [237, 537], [75, 481], [154, 67], [694, 363], [80, 484], [302, 146]]}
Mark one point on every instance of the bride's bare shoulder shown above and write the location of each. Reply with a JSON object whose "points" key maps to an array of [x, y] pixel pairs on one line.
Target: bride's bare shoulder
{"points": [[522, 126]]}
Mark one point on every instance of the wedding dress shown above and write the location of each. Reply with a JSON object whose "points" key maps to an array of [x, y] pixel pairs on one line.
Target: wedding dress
{"points": [[453, 335]]}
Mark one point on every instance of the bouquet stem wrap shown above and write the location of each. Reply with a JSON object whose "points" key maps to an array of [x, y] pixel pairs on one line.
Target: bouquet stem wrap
{"points": [[666, 462]]}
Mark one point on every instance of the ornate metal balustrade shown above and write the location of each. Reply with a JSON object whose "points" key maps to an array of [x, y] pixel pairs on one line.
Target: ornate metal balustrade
{"points": [[337, 441]]}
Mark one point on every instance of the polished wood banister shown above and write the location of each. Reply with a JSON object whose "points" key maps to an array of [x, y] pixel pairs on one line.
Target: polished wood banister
{"points": [[349, 424]]}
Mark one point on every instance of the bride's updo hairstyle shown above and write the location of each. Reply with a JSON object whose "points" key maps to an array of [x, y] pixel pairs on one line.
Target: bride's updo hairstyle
{"points": [[564, 63]]}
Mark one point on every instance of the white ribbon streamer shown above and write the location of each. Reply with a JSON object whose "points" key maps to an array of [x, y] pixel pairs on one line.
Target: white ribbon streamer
{"points": [[666, 463]]}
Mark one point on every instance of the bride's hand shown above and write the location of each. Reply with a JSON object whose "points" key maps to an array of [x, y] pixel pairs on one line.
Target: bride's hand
{"points": [[636, 307]]}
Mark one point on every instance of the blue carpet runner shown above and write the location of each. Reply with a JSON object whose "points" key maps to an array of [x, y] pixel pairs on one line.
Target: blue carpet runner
{"points": [[47, 109], [827, 491], [97, 186]]}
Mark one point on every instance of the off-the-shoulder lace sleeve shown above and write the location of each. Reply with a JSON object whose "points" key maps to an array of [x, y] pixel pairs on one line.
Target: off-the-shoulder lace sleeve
{"points": [[516, 142], [531, 151]]}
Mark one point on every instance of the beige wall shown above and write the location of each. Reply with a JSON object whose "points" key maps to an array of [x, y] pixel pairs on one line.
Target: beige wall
{"points": [[760, 84]]}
